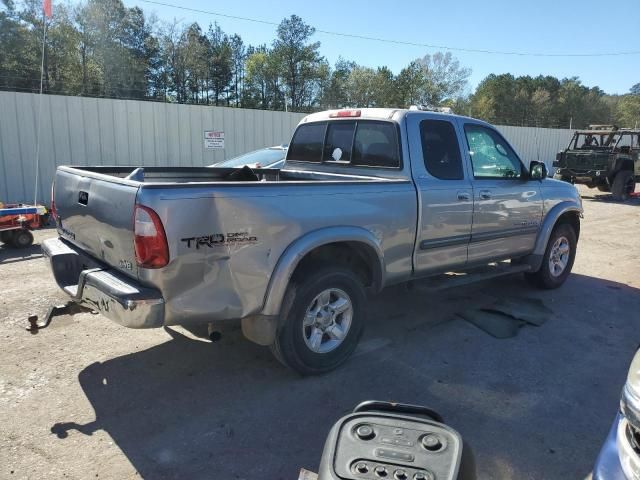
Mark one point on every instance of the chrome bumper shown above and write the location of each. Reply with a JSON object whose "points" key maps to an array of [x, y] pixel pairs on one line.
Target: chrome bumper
{"points": [[91, 284], [608, 466]]}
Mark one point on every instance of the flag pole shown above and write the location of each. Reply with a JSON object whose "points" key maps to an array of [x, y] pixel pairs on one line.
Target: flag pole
{"points": [[44, 40]]}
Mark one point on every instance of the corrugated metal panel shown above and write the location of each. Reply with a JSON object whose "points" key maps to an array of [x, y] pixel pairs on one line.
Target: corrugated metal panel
{"points": [[539, 144], [92, 131]]}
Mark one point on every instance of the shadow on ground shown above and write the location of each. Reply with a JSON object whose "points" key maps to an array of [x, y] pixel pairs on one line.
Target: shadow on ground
{"points": [[535, 406], [10, 254], [608, 198]]}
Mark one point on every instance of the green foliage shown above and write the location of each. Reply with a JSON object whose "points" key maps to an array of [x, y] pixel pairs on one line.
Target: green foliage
{"points": [[628, 111], [543, 101], [102, 48]]}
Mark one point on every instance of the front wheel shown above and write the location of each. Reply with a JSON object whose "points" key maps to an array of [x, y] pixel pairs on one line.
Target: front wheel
{"points": [[558, 259], [323, 317]]}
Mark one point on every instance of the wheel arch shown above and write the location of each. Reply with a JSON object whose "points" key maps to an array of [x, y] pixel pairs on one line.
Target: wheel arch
{"points": [[353, 246], [567, 212], [564, 212]]}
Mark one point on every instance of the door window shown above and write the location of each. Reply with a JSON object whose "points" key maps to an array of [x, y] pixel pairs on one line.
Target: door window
{"points": [[491, 156], [440, 150]]}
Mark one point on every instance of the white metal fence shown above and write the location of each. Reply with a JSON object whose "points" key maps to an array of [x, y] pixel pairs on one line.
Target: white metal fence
{"points": [[93, 131]]}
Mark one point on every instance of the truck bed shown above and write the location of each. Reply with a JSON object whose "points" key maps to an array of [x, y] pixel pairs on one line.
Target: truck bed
{"points": [[185, 175]]}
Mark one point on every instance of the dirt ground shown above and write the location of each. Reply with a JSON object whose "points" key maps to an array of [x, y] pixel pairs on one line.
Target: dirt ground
{"points": [[89, 399]]}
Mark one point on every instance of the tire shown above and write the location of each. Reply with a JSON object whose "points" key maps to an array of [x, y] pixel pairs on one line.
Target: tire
{"points": [[313, 348], [624, 184], [562, 235], [22, 239], [6, 237]]}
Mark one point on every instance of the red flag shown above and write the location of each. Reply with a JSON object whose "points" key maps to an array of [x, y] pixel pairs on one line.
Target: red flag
{"points": [[46, 6]]}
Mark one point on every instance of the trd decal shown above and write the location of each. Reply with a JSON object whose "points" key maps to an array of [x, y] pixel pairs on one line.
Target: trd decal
{"points": [[219, 239]]}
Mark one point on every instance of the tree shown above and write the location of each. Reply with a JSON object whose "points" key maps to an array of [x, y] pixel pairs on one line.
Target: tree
{"points": [[628, 111], [335, 95], [221, 64], [444, 78], [298, 59], [238, 54], [410, 82], [635, 90], [262, 80]]}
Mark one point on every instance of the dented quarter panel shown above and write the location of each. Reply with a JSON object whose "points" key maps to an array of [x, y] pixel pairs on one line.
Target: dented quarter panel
{"points": [[219, 281]]}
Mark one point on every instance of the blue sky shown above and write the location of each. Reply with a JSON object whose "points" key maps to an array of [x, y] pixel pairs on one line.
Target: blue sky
{"points": [[544, 26]]}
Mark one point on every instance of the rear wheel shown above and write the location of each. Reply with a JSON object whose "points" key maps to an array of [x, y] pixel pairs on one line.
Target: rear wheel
{"points": [[624, 184], [22, 239], [558, 259], [323, 317]]}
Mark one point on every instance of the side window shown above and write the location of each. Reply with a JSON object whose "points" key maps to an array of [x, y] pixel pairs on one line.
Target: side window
{"points": [[339, 140], [491, 156], [306, 144], [376, 145], [440, 149]]}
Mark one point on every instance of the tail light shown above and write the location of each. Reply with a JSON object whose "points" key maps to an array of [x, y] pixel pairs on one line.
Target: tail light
{"points": [[54, 212], [150, 240]]}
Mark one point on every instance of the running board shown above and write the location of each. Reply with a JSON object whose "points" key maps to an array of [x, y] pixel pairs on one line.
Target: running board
{"points": [[449, 280]]}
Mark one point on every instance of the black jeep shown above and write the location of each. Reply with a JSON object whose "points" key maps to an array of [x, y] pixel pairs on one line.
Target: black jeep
{"points": [[603, 156]]}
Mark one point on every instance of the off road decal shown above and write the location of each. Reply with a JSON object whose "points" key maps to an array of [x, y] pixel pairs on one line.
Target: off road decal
{"points": [[219, 239]]}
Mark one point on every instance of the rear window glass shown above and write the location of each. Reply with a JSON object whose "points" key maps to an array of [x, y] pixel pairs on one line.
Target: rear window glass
{"points": [[440, 150], [339, 140], [307, 142], [363, 143], [375, 145]]}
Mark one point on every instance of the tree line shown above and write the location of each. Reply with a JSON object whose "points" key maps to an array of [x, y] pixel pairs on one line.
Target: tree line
{"points": [[101, 48]]}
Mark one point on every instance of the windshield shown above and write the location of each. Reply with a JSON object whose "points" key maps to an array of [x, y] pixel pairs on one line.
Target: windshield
{"points": [[264, 157]]}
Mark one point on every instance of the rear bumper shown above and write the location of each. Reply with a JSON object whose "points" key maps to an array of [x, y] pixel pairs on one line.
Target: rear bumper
{"points": [[93, 285], [608, 466]]}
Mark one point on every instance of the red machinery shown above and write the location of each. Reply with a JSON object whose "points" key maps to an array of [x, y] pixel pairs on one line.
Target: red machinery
{"points": [[17, 221]]}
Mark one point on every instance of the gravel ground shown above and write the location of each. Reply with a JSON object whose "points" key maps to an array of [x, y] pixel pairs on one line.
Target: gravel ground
{"points": [[89, 399]]}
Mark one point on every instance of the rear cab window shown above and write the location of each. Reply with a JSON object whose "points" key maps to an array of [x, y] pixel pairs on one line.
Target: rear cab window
{"points": [[441, 150], [363, 143]]}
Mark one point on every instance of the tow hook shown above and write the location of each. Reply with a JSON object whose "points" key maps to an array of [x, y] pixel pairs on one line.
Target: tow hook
{"points": [[69, 308]]}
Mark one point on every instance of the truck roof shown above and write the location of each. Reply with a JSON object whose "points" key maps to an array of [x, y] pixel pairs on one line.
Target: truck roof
{"points": [[373, 113]]}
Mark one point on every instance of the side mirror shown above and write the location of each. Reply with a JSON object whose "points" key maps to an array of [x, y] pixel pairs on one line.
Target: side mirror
{"points": [[537, 171]]}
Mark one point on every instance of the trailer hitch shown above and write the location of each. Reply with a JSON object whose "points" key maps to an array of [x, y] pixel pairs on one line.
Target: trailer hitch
{"points": [[69, 308]]}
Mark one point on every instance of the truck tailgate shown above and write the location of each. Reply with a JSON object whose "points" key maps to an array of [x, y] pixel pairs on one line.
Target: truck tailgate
{"points": [[97, 216]]}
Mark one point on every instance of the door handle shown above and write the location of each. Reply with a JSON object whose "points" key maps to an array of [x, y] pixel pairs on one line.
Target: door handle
{"points": [[464, 196], [485, 194]]}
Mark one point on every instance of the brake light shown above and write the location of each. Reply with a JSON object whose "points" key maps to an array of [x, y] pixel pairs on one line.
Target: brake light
{"points": [[54, 213], [150, 239], [345, 113]]}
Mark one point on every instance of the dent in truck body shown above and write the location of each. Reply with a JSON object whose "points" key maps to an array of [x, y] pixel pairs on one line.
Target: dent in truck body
{"points": [[250, 278]]}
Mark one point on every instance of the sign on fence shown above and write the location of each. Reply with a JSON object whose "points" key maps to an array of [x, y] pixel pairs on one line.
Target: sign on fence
{"points": [[213, 140]]}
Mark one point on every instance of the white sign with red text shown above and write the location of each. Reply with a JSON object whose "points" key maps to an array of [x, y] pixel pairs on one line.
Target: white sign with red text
{"points": [[213, 139]]}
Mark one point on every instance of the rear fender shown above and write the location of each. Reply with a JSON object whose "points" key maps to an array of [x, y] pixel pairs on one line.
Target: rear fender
{"points": [[297, 250]]}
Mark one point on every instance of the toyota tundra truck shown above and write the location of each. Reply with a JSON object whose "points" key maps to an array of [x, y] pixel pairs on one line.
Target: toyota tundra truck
{"points": [[366, 199]]}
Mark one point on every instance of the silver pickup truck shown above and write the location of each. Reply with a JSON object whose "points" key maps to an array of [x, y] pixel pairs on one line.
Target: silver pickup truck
{"points": [[367, 198]]}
